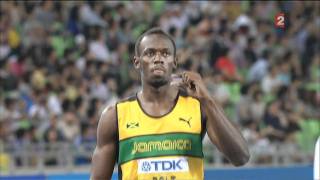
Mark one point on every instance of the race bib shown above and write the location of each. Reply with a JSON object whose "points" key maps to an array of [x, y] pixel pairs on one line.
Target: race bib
{"points": [[163, 165]]}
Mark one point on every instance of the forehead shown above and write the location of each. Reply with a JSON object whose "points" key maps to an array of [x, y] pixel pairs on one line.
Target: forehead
{"points": [[155, 41]]}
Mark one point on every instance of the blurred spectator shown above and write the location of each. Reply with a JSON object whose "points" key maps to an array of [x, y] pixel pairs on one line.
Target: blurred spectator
{"points": [[227, 67], [70, 127], [271, 82], [249, 51], [243, 106], [257, 106], [73, 25], [99, 49], [220, 89], [38, 112], [88, 15], [276, 120], [259, 69], [53, 133]]}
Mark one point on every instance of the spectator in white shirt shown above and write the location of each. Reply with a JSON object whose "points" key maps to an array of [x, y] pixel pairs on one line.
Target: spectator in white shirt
{"points": [[271, 82], [260, 68]]}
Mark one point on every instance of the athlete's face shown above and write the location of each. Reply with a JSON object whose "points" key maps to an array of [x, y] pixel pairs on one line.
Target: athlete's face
{"points": [[156, 60]]}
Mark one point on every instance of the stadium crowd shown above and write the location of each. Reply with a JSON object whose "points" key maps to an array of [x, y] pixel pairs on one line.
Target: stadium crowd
{"points": [[62, 63]]}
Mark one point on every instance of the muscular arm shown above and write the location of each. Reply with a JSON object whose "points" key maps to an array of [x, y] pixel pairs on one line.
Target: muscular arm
{"points": [[220, 130], [104, 155], [224, 134]]}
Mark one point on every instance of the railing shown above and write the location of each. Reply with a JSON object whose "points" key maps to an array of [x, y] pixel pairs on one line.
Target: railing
{"points": [[65, 157], [39, 157]]}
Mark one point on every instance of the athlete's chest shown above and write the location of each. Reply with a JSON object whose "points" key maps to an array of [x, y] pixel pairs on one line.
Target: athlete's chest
{"points": [[135, 122]]}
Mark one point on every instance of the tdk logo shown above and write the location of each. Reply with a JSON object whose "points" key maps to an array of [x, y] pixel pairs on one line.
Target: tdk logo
{"points": [[162, 165], [155, 165]]}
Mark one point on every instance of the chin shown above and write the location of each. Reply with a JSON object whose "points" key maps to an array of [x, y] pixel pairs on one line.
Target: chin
{"points": [[157, 82]]}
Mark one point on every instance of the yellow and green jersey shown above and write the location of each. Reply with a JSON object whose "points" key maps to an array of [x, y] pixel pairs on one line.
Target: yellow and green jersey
{"points": [[167, 147]]}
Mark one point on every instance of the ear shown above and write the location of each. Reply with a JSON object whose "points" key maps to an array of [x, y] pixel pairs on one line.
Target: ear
{"points": [[175, 63], [136, 62]]}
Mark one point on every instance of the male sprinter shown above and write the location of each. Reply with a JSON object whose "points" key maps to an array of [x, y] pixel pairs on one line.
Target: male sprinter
{"points": [[157, 134]]}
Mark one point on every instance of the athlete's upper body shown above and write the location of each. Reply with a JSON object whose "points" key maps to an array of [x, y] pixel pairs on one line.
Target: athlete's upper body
{"points": [[155, 59]]}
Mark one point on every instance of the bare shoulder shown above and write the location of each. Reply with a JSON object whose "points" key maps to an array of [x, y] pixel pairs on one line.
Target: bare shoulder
{"points": [[105, 153], [107, 126], [108, 114]]}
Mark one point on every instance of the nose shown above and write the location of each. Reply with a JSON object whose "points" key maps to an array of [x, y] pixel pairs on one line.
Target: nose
{"points": [[158, 59]]}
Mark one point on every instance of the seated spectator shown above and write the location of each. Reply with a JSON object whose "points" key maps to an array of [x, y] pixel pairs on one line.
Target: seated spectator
{"points": [[276, 120], [260, 68], [243, 112], [282, 127], [270, 83], [257, 106], [53, 133], [227, 67], [70, 126]]}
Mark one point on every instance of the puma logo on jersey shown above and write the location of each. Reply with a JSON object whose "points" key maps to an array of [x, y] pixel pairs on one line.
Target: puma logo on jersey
{"points": [[186, 121]]}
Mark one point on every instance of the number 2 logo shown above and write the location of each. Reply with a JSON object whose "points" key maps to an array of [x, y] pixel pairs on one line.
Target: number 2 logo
{"points": [[279, 20]]}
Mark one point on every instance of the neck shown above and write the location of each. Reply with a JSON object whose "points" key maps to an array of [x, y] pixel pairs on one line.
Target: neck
{"points": [[160, 94]]}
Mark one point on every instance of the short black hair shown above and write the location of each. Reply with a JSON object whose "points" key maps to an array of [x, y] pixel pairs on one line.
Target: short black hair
{"points": [[157, 31]]}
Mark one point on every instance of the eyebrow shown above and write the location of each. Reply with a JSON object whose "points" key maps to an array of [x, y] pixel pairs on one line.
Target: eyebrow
{"points": [[155, 49]]}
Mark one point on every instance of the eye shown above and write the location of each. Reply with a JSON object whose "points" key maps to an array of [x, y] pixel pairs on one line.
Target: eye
{"points": [[165, 54], [150, 53]]}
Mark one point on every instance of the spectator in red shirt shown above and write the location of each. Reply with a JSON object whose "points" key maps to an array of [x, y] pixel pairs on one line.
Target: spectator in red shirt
{"points": [[227, 67]]}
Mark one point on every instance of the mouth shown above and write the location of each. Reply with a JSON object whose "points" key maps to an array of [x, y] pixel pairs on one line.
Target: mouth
{"points": [[158, 70]]}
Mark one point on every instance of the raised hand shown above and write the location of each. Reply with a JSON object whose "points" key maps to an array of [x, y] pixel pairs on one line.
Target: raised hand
{"points": [[192, 83]]}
